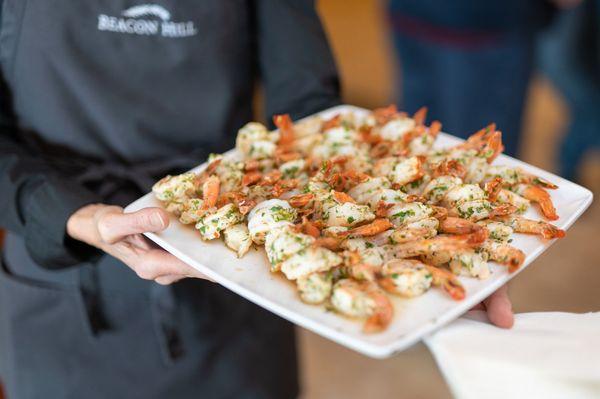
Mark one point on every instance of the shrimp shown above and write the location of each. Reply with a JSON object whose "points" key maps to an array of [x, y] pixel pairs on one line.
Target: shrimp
{"points": [[311, 228], [405, 277], [309, 260], [363, 300], [487, 141], [408, 234], [347, 214], [528, 226], [492, 188], [508, 197], [449, 167], [440, 243], [210, 191], [375, 227], [268, 215], [420, 115], [251, 178], [241, 200], [498, 231], [176, 188], [342, 197], [407, 171], [363, 271], [540, 196], [212, 224], [192, 211], [504, 254], [282, 243], [315, 288], [301, 200], [470, 263], [384, 115], [286, 129], [448, 281], [237, 238], [456, 225], [515, 175]]}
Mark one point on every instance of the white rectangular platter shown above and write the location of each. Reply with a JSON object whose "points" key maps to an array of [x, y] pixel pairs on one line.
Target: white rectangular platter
{"points": [[414, 318]]}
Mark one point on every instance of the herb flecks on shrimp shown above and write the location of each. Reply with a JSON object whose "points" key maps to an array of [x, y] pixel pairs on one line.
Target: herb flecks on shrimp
{"points": [[356, 209]]}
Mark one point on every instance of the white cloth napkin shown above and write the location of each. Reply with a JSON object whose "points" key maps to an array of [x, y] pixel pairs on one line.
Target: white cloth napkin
{"points": [[545, 355]]}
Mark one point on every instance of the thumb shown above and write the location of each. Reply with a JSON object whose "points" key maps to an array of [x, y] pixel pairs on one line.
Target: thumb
{"points": [[114, 225], [499, 308]]}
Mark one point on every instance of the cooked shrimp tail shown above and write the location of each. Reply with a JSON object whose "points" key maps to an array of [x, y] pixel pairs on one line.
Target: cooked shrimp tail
{"points": [[537, 227], [367, 230], [383, 312], [448, 281], [542, 198], [420, 116]]}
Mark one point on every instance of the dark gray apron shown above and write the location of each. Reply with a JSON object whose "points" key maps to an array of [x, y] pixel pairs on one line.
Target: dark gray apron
{"points": [[113, 91]]}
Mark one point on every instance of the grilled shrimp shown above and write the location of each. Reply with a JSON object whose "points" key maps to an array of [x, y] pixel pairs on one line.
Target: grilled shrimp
{"points": [[176, 188], [237, 238], [540, 196], [315, 288], [309, 260], [281, 243], [405, 277], [401, 171], [432, 246], [365, 301], [211, 225], [536, 227], [470, 263], [348, 214], [436, 189], [192, 211], [254, 141], [396, 128], [353, 203], [508, 197], [504, 254], [268, 215]]}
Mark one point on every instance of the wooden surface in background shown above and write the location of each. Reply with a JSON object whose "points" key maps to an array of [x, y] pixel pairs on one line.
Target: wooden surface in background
{"points": [[358, 33]]}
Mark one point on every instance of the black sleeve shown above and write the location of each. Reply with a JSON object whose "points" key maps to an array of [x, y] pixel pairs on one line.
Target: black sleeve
{"points": [[36, 200], [296, 65]]}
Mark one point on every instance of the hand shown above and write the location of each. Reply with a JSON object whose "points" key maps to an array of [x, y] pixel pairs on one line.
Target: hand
{"points": [[498, 308], [120, 235]]}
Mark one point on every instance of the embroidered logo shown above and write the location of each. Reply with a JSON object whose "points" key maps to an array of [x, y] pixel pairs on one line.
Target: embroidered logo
{"points": [[146, 20]]}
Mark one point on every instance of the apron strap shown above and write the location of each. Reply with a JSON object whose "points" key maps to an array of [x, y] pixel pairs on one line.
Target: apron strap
{"points": [[164, 315], [90, 292]]}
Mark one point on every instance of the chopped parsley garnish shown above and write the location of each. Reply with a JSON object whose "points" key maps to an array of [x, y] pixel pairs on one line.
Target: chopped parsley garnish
{"points": [[403, 214]]}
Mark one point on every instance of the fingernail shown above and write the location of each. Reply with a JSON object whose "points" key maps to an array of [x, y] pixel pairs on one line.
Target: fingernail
{"points": [[157, 220]]}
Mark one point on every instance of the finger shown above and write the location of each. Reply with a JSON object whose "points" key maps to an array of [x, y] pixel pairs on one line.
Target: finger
{"points": [[499, 308], [140, 241], [158, 263], [168, 280], [113, 225]]}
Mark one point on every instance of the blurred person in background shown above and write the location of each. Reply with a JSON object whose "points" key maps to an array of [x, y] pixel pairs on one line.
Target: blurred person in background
{"points": [[570, 57], [468, 61]]}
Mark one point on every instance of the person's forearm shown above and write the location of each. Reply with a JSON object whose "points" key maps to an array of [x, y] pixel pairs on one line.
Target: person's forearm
{"points": [[36, 202]]}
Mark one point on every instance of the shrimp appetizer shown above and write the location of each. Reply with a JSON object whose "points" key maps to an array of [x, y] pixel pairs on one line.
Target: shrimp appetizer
{"points": [[356, 210]]}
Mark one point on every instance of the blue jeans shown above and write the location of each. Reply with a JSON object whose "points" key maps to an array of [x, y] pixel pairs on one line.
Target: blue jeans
{"points": [[569, 56], [466, 88]]}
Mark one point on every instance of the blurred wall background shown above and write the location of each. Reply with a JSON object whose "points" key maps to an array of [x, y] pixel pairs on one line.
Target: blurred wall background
{"points": [[565, 278]]}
